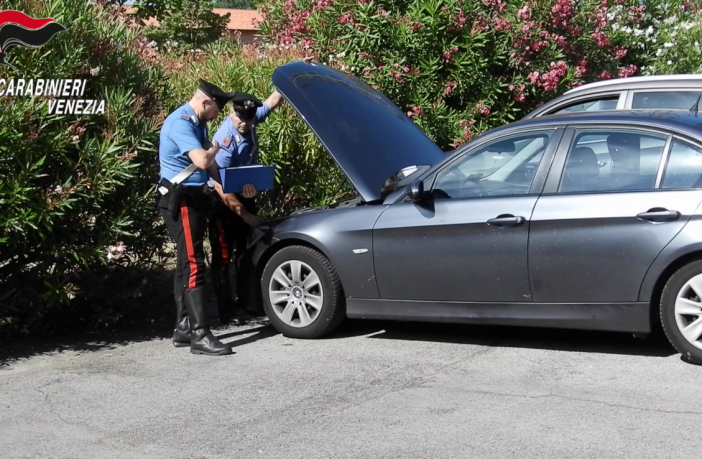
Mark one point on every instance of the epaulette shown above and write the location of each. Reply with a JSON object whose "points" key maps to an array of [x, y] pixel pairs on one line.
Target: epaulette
{"points": [[192, 118]]}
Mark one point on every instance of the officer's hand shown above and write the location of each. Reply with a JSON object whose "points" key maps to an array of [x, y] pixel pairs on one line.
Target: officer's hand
{"points": [[214, 148], [249, 191], [307, 60], [252, 220]]}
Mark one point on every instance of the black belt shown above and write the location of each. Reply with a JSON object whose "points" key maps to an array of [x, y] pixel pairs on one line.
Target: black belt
{"points": [[197, 190]]}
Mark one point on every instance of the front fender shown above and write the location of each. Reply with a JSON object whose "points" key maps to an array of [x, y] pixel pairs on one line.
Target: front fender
{"points": [[343, 235]]}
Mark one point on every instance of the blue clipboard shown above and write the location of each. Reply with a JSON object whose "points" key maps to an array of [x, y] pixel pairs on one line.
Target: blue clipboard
{"points": [[234, 178]]}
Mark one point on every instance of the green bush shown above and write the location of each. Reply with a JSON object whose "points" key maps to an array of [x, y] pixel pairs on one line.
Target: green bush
{"points": [[461, 67], [678, 46], [76, 191], [182, 24]]}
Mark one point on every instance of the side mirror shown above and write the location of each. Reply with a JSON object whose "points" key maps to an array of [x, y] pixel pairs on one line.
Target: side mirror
{"points": [[416, 191]]}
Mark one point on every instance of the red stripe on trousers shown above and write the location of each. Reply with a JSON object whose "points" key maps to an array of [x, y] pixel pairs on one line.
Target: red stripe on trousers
{"points": [[192, 280], [223, 243]]}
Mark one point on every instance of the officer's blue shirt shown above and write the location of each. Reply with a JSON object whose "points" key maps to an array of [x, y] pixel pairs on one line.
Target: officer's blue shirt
{"points": [[179, 135], [235, 148]]}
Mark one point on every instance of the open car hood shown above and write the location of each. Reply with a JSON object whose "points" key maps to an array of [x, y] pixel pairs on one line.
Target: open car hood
{"points": [[367, 135]]}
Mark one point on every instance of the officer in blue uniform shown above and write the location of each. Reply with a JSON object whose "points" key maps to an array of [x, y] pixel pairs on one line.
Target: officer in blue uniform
{"points": [[238, 142], [187, 161]]}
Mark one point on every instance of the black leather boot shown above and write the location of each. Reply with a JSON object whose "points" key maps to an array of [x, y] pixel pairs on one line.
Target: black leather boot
{"points": [[202, 341], [181, 334], [225, 301]]}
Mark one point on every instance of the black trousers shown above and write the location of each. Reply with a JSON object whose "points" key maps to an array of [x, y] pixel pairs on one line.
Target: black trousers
{"points": [[228, 235], [188, 232]]}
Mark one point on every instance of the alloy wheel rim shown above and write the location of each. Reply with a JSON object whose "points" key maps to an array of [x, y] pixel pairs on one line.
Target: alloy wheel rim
{"points": [[296, 293], [688, 311]]}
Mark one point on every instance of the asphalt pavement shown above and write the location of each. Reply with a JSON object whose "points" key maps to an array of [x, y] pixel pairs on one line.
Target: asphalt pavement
{"points": [[372, 390]]}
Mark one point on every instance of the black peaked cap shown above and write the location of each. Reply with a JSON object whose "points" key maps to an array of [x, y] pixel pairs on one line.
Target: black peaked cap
{"points": [[219, 96]]}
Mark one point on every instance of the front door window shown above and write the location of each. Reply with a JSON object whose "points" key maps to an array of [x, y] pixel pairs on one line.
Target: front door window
{"points": [[505, 167]]}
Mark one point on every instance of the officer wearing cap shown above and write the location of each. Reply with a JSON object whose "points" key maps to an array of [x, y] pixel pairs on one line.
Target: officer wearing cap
{"points": [[238, 142], [187, 161]]}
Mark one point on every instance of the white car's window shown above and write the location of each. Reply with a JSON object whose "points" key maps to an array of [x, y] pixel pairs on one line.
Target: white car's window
{"points": [[596, 105], [684, 168], [612, 160], [671, 100], [502, 168]]}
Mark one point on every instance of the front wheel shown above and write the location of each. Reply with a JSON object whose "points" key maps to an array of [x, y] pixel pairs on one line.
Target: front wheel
{"points": [[681, 311], [302, 293]]}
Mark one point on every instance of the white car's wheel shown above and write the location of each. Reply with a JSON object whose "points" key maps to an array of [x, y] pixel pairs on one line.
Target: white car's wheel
{"points": [[302, 293], [681, 311]]}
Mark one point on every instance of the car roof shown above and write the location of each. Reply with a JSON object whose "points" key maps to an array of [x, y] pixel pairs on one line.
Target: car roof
{"points": [[637, 82], [676, 120]]}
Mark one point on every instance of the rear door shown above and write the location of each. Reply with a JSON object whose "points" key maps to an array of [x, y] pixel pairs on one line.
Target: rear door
{"points": [[609, 208]]}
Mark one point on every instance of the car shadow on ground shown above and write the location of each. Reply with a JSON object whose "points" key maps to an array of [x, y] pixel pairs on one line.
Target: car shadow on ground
{"points": [[507, 336]]}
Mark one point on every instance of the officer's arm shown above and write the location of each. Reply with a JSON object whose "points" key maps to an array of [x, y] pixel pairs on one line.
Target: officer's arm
{"points": [[274, 100], [202, 158], [229, 199], [186, 138]]}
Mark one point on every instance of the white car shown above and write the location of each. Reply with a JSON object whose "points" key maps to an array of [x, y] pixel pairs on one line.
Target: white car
{"points": [[655, 92]]}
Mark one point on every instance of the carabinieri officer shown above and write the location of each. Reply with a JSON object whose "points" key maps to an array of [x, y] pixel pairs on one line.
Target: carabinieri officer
{"points": [[238, 142], [187, 158]]}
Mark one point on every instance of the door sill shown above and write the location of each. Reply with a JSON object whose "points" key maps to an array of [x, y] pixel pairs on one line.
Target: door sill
{"points": [[619, 317]]}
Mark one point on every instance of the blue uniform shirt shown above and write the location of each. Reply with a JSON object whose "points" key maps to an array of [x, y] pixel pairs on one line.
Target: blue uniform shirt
{"points": [[235, 148], [179, 135]]}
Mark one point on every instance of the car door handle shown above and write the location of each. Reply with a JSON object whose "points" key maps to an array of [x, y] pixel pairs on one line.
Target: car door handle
{"points": [[506, 220], [659, 215]]}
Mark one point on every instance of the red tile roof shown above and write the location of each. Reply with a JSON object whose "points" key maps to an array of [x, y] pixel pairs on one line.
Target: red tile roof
{"points": [[238, 19]]}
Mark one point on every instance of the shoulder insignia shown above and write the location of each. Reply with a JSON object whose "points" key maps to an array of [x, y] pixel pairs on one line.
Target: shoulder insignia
{"points": [[238, 138], [192, 118], [227, 140]]}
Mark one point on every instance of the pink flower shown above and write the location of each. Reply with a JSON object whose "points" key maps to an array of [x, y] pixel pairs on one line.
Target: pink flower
{"points": [[450, 87], [581, 69], [600, 38], [524, 13], [620, 52], [502, 24], [625, 72], [346, 18]]}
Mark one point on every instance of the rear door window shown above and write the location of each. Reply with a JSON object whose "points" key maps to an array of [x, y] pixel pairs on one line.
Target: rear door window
{"points": [[684, 168], [612, 160]]}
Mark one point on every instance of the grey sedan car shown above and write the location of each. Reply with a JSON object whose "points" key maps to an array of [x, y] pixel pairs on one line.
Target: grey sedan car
{"points": [[587, 221]]}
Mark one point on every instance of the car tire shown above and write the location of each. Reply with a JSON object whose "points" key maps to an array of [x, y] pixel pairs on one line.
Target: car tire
{"points": [[681, 306], [326, 313]]}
